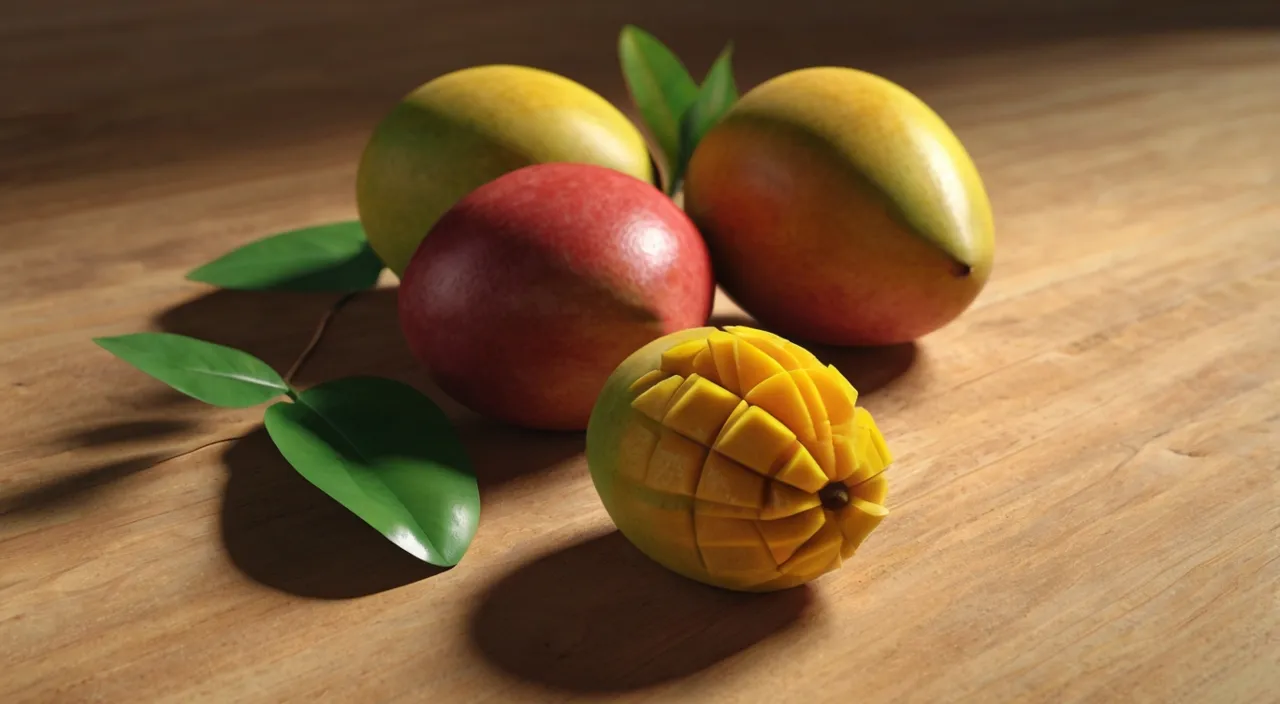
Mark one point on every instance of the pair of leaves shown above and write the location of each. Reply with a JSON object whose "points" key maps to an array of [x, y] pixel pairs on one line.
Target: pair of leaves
{"points": [[381, 449], [333, 257], [677, 111]]}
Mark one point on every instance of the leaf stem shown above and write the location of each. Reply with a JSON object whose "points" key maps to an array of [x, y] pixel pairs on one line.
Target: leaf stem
{"points": [[315, 340]]}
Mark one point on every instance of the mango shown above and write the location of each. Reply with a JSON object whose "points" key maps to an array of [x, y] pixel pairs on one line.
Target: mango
{"points": [[839, 208], [755, 471], [466, 128], [528, 293]]}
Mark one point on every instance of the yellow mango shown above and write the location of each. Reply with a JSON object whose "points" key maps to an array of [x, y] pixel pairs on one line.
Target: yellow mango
{"points": [[740, 481], [840, 208], [466, 128]]}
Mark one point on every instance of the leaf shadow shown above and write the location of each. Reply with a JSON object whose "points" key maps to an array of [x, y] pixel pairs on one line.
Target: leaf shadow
{"points": [[73, 488], [124, 432], [271, 325], [599, 616], [284, 533]]}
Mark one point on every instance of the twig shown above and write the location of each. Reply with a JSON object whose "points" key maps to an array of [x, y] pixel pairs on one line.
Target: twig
{"points": [[315, 338]]}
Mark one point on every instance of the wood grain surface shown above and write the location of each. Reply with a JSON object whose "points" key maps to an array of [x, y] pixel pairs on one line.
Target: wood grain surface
{"points": [[1085, 505]]}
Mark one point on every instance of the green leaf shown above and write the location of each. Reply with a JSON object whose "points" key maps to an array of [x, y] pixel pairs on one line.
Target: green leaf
{"points": [[215, 374], [660, 86], [334, 257], [717, 94], [389, 455]]}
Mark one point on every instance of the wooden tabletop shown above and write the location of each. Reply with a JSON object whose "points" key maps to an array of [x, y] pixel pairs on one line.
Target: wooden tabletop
{"points": [[1085, 504]]}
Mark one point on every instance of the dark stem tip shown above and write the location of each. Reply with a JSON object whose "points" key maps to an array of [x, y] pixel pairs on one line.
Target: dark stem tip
{"points": [[834, 496]]}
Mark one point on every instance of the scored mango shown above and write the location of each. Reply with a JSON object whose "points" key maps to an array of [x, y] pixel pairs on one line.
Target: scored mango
{"points": [[738, 459]]}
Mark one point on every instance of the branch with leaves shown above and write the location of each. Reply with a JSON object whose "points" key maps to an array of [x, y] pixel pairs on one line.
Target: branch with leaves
{"points": [[377, 446]]}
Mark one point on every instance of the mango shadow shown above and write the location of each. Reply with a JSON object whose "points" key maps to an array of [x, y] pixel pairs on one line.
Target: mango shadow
{"points": [[870, 369], [599, 616]]}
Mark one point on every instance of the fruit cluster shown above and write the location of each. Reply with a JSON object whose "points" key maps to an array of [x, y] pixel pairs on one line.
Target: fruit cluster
{"points": [[536, 255]]}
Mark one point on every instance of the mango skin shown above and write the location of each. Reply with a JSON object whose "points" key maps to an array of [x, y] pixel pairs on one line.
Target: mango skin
{"points": [[466, 128], [665, 520], [839, 208], [532, 288]]}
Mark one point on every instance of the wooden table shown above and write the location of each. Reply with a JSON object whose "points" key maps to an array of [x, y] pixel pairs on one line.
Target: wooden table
{"points": [[1085, 505]]}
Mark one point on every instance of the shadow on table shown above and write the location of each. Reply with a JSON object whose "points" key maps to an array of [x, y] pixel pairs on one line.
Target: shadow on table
{"points": [[74, 488], [501, 453], [599, 616], [274, 326], [283, 532], [125, 432]]}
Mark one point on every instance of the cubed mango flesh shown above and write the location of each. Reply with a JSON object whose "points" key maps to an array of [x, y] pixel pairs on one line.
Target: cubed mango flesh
{"points": [[738, 459]]}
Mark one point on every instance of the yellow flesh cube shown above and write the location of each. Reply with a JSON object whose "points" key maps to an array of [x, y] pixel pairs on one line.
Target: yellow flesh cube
{"points": [[653, 402], [675, 464], [731, 546], [837, 400], [873, 490], [869, 462], [783, 501], [679, 359], [816, 554], [722, 344], [846, 458], [857, 520], [669, 529], [636, 449], [805, 357], [756, 439], [780, 396], [754, 366], [727, 482], [699, 409], [812, 399], [844, 384], [733, 417], [801, 471], [711, 508], [646, 381], [768, 344], [705, 365], [785, 536], [863, 417]]}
